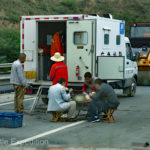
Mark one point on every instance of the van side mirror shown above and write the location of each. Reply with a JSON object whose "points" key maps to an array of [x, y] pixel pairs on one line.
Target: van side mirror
{"points": [[136, 57]]}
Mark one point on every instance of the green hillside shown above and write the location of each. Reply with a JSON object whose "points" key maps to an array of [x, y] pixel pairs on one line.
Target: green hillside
{"points": [[11, 10]]}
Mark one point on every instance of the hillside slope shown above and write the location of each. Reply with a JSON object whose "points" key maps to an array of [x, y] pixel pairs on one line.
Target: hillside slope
{"points": [[11, 10]]}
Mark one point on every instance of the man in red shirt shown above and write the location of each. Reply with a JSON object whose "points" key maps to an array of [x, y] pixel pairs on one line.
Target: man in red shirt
{"points": [[59, 69], [89, 84]]}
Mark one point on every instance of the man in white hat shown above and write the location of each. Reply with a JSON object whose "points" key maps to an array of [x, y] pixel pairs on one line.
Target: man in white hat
{"points": [[59, 69]]}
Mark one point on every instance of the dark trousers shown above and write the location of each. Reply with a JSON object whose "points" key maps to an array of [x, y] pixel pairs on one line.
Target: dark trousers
{"points": [[97, 107]]}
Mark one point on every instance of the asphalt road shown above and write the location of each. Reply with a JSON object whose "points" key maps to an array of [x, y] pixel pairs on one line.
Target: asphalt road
{"points": [[6, 88], [133, 119]]}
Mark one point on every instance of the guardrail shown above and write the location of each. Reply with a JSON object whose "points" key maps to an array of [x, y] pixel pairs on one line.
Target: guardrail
{"points": [[5, 75], [6, 65]]}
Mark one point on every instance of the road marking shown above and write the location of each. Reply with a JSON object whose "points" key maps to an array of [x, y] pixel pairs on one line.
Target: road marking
{"points": [[13, 102], [46, 133]]}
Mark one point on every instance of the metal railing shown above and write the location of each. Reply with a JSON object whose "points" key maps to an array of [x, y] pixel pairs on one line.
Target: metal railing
{"points": [[5, 74], [6, 65]]}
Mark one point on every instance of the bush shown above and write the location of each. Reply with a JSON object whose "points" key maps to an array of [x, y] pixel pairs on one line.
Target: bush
{"points": [[9, 45], [67, 7], [13, 18]]}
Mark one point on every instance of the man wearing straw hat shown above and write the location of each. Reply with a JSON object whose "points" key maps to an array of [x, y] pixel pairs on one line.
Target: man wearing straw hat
{"points": [[59, 69]]}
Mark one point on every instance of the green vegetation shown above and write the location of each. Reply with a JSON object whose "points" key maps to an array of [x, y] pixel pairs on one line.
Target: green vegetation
{"points": [[11, 10], [9, 45]]}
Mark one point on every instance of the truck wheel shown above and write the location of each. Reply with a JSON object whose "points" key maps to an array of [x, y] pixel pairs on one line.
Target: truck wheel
{"points": [[45, 101], [132, 89]]}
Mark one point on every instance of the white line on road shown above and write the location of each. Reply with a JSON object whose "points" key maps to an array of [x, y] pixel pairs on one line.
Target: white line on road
{"points": [[3, 104], [46, 133]]}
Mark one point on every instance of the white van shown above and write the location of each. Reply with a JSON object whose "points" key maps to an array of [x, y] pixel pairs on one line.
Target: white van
{"points": [[92, 43]]}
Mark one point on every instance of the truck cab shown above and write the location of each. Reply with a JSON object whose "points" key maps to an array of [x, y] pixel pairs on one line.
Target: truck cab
{"points": [[140, 42]]}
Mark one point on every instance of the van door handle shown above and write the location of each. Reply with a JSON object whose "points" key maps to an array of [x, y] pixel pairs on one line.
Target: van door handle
{"points": [[127, 62]]}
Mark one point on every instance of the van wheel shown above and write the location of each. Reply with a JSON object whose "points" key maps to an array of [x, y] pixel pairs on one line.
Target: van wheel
{"points": [[132, 89], [45, 101]]}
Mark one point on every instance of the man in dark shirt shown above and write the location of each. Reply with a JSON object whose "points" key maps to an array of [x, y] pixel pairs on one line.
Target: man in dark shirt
{"points": [[104, 98]]}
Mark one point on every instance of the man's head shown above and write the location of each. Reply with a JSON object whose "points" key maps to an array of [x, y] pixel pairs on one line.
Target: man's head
{"points": [[62, 81], [98, 83], [88, 77], [22, 57]]}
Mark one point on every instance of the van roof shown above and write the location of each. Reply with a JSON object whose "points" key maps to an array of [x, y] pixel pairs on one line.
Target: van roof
{"points": [[64, 17]]}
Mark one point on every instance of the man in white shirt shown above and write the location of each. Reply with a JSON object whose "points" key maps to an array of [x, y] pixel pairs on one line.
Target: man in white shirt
{"points": [[18, 80], [60, 100]]}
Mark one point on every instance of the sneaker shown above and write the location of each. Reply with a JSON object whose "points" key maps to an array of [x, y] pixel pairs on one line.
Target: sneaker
{"points": [[103, 117], [95, 119]]}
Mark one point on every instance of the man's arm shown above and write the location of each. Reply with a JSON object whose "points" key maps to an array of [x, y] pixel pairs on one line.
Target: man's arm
{"points": [[84, 88], [65, 96], [98, 93], [21, 75]]}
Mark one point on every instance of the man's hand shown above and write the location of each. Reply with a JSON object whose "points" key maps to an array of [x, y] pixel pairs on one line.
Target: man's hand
{"points": [[91, 94], [70, 90], [87, 98], [24, 85]]}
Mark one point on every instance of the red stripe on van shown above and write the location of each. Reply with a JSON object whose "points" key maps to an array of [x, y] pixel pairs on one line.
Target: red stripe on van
{"points": [[56, 17], [37, 18], [28, 18], [23, 26], [22, 36], [22, 46], [66, 18], [47, 18], [75, 17]]}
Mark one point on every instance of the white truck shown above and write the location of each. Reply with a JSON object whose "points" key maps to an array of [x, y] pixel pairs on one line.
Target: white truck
{"points": [[92, 44]]}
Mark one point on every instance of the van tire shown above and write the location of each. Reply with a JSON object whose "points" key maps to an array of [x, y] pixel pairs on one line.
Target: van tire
{"points": [[132, 89]]}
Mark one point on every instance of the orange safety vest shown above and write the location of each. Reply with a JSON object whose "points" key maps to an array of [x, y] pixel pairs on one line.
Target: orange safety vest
{"points": [[56, 45]]}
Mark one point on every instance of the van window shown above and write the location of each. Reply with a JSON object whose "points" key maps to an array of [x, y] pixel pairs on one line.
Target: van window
{"points": [[118, 40], [129, 51], [106, 39], [81, 38]]}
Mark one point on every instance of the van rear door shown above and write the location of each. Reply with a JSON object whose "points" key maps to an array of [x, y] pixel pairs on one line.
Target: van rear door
{"points": [[79, 48], [30, 48]]}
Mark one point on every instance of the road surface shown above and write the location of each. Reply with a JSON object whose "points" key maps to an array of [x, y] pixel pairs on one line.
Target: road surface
{"points": [[133, 125]]}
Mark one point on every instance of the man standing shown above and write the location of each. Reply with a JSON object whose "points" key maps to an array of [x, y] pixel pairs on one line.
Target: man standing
{"points": [[104, 99], [60, 100], [19, 82], [89, 84], [59, 69]]}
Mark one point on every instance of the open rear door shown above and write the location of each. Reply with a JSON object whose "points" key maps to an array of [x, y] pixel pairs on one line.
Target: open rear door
{"points": [[111, 68], [30, 47], [79, 48]]}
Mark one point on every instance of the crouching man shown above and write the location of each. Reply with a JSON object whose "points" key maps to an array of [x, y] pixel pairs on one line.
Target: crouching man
{"points": [[60, 100], [104, 99]]}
